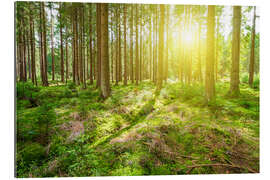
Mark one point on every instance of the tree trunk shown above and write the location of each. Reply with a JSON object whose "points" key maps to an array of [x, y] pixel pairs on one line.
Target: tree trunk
{"points": [[131, 45], [141, 44], [90, 44], [67, 55], [32, 45], [252, 51], [199, 55], [209, 72], [125, 44], [137, 48], [161, 49], [167, 45], [52, 49], [234, 84], [150, 46], [105, 71], [116, 48], [45, 83], [217, 47], [119, 44], [98, 44]]}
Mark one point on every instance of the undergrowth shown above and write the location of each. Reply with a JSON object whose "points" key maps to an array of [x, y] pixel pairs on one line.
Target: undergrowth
{"points": [[135, 131]]}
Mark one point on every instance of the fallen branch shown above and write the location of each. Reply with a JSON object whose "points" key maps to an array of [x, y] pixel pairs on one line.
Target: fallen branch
{"points": [[226, 165]]}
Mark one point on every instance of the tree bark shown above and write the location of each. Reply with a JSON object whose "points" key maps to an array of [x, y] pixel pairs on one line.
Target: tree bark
{"points": [[252, 51], [137, 48], [131, 45], [161, 48], [209, 72], [52, 49], [125, 45], [45, 83], [90, 44], [234, 84], [105, 71]]}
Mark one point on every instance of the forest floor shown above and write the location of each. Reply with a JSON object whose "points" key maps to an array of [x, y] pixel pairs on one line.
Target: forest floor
{"points": [[138, 132]]}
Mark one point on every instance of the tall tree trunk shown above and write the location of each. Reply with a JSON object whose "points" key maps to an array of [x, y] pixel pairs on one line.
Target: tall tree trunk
{"points": [[112, 46], [119, 44], [167, 44], [41, 44], [32, 44], [90, 44], [83, 49], [252, 51], [24, 56], [209, 72], [125, 44], [52, 49], [67, 55], [61, 43], [73, 45], [150, 44], [217, 49], [137, 48], [28, 53], [234, 84], [44, 46], [199, 55], [156, 48], [161, 48], [116, 48], [141, 44], [131, 45], [105, 71], [76, 46], [98, 44]]}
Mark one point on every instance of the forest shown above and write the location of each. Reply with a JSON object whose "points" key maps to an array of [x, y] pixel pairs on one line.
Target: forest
{"points": [[136, 89]]}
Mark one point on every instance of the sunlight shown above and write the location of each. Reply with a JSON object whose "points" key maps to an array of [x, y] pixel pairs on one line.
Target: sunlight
{"points": [[188, 35]]}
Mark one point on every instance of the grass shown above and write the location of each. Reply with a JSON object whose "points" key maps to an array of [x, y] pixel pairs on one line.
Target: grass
{"points": [[138, 132]]}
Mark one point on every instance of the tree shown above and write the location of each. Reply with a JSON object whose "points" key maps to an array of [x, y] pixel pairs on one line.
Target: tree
{"points": [[131, 45], [32, 45], [61, 42], [167, 44], [52, 49], [125, 44], [210, 57], [105, 72], [234, 83], [252, 51], [150, 45], [161, 49], [90, 44], [137, 48]]}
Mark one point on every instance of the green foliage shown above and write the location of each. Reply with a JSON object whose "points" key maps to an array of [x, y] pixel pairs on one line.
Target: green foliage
{"points": [[45, 117], [244, 78], [82, 108], [25, 89], [71, 85], [136, 133], [256, 82], [31, 152]]}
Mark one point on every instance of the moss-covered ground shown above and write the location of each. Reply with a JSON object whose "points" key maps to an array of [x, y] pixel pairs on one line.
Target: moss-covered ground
{"points": [[136, 131]]}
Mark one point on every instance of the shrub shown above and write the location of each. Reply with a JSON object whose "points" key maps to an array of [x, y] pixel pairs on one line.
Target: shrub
{"points": [[32, 152], [244, 78], [82, 108], [25, 89], [45, 116], [67, 93], [71, 85], [256, 82]]}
